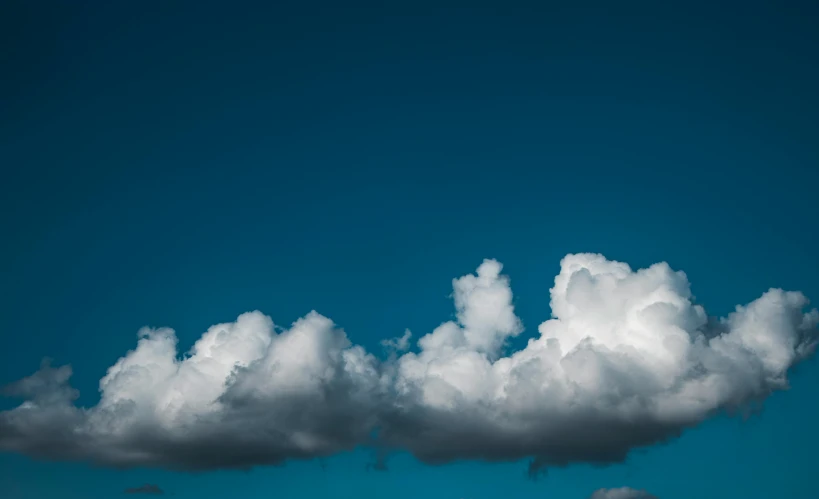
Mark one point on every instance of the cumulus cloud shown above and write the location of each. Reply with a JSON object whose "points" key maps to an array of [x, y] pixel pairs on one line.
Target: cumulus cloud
{"points": [[148, 488], [244, 395], [621, 493], [401, 344], [627, 359]]}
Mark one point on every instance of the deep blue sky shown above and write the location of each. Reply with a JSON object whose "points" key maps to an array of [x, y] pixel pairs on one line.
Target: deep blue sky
{"points": [[180, 164]]}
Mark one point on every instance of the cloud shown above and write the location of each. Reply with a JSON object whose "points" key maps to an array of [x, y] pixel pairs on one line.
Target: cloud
{"points": [[626, 360], [243, 396], [621, 493], [401, 344], [146, 489]]}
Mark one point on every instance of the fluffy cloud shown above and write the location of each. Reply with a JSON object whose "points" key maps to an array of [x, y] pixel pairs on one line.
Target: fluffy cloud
{"points": [[621, 493], [627, 360], [244, 395]]}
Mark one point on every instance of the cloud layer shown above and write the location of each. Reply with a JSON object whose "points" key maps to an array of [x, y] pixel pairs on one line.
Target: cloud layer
{"points": [[627, 359]]}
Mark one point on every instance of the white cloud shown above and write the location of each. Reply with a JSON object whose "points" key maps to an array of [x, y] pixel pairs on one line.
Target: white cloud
{"points": [[621, 493], [626, 360], [243, 395], [395, 345]]}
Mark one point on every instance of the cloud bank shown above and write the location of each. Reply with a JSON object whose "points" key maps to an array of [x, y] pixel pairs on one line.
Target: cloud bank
{"points": [[626, 360]]}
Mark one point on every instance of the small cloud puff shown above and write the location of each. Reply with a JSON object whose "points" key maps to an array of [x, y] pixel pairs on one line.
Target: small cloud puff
{"points": [[621, 493]]}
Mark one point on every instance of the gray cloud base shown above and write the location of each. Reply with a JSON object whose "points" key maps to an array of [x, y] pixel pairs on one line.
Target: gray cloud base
{"points": [[626, 360]]}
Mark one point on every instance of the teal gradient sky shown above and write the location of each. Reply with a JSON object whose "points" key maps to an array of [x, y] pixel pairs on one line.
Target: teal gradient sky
{"points": [[177, 165]]}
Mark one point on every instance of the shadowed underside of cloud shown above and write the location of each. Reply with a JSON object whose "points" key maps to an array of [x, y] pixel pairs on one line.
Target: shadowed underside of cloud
{"points": [[621, 493], [626, 360]]}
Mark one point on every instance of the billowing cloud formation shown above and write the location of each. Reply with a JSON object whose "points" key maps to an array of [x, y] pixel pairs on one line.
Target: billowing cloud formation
{"points": [[626, 360], [244, 395], [621, 493]]}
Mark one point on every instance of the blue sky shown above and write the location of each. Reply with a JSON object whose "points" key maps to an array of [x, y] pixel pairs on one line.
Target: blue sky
{"points": [[180, 165]]}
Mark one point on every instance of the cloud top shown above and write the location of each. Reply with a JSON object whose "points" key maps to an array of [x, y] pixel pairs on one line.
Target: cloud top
{"points": [[627, 359]]}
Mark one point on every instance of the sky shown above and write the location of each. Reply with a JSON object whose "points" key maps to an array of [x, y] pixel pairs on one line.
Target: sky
{"points": [[291, 187]]}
